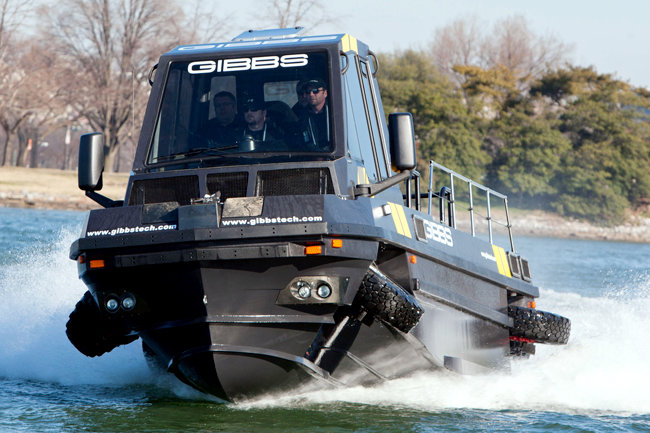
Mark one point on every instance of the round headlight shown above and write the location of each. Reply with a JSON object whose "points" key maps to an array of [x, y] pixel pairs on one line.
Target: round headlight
{"points": [[112, 305], [128, 303], [324, 290], [304, 290]]}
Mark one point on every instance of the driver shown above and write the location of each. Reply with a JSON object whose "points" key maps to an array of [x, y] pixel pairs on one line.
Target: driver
{"points": [[258, 129]]}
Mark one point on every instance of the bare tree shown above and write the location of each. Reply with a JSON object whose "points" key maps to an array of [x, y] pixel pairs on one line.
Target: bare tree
{"points": [[13, 109], [458, 43], [511, 44], [43, 100], [12, 15], [514, 45], [201, 23], [102, 43], [108, 47], [290, 13], [13, 80]]}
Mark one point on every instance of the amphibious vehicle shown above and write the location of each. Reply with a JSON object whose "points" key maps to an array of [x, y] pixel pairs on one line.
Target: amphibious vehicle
{"points": [[250, 259]]}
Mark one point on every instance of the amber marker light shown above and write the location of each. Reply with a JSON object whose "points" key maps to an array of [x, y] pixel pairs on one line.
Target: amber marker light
{"points": [[96, 264], [313, 249], [337, 243]]}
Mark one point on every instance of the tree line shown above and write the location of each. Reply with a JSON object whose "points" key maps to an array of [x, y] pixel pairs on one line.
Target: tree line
{"points": [[77, 66], [503, 106], [84, 68], [508, 109]]}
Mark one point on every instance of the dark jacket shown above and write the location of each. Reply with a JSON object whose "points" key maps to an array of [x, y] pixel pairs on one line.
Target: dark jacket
{"points": [[314, 129]]}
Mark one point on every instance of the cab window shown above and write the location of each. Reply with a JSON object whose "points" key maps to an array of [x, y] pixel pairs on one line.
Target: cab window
{"points": [[358, 135], [374, 117], [233, 108]]}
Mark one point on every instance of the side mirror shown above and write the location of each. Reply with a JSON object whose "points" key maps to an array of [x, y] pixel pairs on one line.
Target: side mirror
{"points": [[91, 161], [402, 141]]}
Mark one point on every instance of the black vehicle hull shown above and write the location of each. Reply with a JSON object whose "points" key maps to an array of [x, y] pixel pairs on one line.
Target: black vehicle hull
{"points": [[220, 329], [221, 312]]}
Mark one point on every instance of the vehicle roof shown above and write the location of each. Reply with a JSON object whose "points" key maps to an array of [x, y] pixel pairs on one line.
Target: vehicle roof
{"points": [[280, 38]]}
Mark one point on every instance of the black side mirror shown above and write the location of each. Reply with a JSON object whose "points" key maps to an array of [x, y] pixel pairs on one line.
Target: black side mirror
{"points": [[402, 141], [91, 161]]}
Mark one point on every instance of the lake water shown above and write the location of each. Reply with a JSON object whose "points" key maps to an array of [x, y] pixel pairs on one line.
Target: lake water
{"points": [[599, 382]]}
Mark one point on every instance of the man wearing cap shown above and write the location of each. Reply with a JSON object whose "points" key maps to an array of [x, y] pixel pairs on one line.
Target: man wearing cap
{"points": [[314, 119], [258, 134]]}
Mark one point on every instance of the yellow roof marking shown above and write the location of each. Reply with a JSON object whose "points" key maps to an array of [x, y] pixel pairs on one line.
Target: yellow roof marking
{"points": [[349, 43], [362, 176]]}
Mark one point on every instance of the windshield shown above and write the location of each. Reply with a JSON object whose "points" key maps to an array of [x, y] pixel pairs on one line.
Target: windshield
{"points": [[225, 108]]}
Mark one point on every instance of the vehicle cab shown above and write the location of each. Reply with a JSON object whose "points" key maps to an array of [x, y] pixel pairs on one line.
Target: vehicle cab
{"points": [[196, 140]]}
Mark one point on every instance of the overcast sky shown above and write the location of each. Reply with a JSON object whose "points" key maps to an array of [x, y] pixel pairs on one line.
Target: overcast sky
{"points": [[612, 36]]}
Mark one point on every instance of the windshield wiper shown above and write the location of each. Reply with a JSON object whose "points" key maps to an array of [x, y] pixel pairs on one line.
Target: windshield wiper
{"points": [[209, 151]]}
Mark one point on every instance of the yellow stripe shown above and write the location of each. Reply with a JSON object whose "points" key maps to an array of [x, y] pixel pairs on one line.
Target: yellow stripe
{"points": [[405, 224], [502, 261], [349, 43], [396, 220], [399, 218], [362, 176], [353, 44], [345, 43]]}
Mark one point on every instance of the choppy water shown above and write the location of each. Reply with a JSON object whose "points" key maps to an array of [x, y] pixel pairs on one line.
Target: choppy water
{"points": [[599, 382]]}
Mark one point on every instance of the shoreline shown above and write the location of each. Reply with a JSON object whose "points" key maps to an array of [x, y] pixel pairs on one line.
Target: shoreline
{"points": [[543, 224], [57, 190], [43, 188]]}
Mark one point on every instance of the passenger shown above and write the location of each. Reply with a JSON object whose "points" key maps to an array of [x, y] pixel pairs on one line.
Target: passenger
{"points": [[300, 106], [259, 134], [314, 119], [224, 129]]}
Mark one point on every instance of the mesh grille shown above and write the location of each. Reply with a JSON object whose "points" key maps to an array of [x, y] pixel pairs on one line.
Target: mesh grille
{"points": [[229, 184], [294, 182], [167, 189]]}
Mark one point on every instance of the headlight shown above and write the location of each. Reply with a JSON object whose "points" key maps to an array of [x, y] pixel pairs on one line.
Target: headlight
{"points": [[112, 305], [317, 289], [128, 302], [324, 290], [304, 290]]}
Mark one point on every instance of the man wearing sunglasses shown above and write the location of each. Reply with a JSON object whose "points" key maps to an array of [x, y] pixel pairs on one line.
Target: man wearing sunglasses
{"points": [[259, 134], [314, 119]]}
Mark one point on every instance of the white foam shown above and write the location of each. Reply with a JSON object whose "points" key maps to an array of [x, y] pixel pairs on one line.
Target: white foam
{"points": [[603, 368], [39, 290]]}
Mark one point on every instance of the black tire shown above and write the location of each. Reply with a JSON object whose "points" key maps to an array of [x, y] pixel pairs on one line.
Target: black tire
{"points": [[540, 326], [387, 301], [521, 349], [92, 333]]}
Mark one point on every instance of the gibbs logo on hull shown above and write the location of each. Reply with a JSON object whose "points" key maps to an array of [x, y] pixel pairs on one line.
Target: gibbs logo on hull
{"points": [[429, 230]]}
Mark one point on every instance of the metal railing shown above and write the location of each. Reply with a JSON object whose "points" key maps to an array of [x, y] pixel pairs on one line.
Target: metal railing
{"points": [[446, 198]]}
